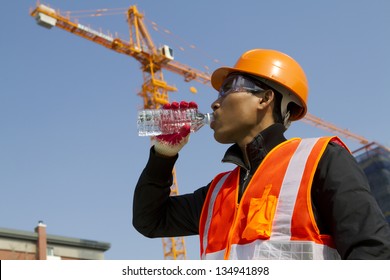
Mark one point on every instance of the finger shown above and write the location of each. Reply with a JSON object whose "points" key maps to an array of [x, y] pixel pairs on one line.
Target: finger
{"points": [[183, 105], [193, 105], [167, 106], [175, 105]]}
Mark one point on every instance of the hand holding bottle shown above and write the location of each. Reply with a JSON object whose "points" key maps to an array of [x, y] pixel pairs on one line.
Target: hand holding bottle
{"points": [[170, 118], [170, 144]]}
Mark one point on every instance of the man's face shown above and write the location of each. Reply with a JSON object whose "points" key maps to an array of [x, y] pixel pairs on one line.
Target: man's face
{"points": [[236, 117]]}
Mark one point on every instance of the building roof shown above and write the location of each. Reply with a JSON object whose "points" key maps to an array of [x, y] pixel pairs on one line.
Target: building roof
{"points": [[55, 239]]}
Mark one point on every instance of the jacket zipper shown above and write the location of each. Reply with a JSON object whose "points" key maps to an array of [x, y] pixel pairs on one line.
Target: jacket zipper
{"points": [[245, 183]]}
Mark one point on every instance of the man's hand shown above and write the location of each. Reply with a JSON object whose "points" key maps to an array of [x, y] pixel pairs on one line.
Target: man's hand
{"points": [[169, 145]]}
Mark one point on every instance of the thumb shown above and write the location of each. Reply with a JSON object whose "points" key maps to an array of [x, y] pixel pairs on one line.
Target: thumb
{"points": [[185, 130]]}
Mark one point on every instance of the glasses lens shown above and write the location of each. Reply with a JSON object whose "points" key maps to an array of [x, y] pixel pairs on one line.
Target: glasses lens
{"points": [[236, 83]]}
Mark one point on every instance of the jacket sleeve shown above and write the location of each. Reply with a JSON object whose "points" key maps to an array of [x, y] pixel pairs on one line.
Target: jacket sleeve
{"points": [[155, 212], [346, 208]]}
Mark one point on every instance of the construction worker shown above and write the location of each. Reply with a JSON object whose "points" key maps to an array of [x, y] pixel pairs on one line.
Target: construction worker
{"points": [[286, 199]]}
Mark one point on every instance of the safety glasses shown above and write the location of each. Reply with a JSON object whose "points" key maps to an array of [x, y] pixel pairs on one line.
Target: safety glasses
{"points": [[240, 83]]}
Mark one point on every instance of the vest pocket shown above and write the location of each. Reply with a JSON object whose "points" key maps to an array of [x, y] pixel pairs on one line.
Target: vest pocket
{"points": [[260, 216]]}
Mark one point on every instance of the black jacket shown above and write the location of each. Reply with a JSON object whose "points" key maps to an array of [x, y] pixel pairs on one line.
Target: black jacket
{"points": [[342, 202]]}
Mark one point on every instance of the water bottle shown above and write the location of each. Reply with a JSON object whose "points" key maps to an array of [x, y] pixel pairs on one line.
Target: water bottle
{"points": [[152, 122]]}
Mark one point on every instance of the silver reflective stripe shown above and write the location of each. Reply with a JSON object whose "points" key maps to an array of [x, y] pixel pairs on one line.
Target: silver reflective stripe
{"points": [[277, 250], [281, 228], [210, 212], [282, 250], [219, 255]]}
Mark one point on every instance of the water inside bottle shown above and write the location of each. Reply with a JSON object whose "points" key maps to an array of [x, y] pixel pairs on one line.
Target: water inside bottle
{"points": [[147, 122], [152, 122]]}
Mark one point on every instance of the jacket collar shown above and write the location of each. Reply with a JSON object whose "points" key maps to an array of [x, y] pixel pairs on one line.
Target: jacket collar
{"points": [[256, 150]]}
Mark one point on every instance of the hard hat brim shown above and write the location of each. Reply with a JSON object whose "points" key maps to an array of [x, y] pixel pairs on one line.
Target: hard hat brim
{"points": [[220, 74]]}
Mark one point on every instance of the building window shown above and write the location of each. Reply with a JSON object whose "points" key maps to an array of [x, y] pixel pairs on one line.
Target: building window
{"points": [[50, 251]]}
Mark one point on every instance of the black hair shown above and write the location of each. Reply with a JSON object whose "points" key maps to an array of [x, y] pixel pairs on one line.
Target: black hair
{"points": [[277, 112]]}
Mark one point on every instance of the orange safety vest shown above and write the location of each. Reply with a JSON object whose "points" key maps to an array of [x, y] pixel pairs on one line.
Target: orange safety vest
{"points": [[274, 219]]}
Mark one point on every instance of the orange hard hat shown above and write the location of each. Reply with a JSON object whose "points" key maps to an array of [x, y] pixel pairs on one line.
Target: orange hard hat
{"points": [[277, 70]]}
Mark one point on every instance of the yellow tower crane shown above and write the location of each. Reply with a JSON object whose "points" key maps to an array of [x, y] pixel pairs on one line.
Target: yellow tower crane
{"points": [[154, 88]]}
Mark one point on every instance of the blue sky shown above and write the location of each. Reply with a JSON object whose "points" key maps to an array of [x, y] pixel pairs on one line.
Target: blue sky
{"points": [[69, 150]]}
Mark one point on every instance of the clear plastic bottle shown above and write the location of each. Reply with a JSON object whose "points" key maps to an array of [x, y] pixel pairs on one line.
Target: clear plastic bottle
{"points": [[152, 122]]}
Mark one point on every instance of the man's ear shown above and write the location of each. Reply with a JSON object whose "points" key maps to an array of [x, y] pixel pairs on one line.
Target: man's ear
{"points": [[268, 96]]}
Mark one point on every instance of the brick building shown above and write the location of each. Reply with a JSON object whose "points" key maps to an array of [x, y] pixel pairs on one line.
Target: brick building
{"points": [[374, 159], [38, 245]]}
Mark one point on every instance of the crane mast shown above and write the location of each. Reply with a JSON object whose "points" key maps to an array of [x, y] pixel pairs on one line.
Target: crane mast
{"points": [[155, 90]]}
